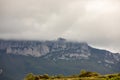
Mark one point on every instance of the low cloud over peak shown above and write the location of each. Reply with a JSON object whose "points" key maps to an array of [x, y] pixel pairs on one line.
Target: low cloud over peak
{"points": [[94, 21]]}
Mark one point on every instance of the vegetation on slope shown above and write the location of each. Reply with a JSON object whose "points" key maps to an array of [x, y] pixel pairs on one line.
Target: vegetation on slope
{"points": [[84, 75]]}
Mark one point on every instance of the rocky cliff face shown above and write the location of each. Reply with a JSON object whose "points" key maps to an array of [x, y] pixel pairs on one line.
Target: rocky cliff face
{"points": [[40, 48], [59, 49], [33, 48]]}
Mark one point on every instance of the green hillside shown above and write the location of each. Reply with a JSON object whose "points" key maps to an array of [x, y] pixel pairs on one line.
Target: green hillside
{"points": [[16, 67]]}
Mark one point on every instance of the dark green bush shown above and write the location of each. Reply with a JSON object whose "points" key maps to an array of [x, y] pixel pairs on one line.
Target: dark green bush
{"points": [[60, 76], [46, 76], [89, 74], [30, 76]]}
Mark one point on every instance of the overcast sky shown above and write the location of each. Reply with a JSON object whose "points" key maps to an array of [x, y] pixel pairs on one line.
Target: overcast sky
{"points": [[95, 21]]}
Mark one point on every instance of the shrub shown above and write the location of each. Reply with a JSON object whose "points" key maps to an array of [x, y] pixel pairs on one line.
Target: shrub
{"points": [[45, 76], [114, 78], [60, 76], [30, 76], [118, 74], [89, 74]]}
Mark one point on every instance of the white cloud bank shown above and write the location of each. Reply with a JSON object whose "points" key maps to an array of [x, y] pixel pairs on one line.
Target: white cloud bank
{"points": [[93, 21]]}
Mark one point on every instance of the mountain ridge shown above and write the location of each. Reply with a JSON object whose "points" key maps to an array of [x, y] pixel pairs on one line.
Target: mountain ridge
{"points": [[53, 57], [24, 44]]}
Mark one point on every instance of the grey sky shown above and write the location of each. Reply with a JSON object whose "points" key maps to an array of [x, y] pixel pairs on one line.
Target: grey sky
{"points": [[94, 21]]}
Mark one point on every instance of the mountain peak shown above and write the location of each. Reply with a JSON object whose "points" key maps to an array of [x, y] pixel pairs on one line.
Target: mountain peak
{"points": [[66, 56], [61, 39]]}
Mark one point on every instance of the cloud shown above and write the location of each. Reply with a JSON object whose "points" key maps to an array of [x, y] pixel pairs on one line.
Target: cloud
{"points": [[93, 21]]}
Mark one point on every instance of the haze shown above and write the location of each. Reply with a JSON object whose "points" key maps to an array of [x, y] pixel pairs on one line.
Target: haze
{"points": [[93, 21]]}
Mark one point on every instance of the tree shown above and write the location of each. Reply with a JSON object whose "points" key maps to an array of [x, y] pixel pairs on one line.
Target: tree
{"points": [[30, 76], [60, 76], [88, 74], [46, 76], [82, 71]]}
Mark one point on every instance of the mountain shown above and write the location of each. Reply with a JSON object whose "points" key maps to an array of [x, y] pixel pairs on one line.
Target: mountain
{"points": [[19, 57]]}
